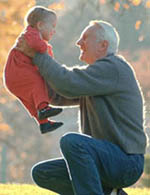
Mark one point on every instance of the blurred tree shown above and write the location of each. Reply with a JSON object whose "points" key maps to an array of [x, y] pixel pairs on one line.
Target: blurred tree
{"points": [[12, 14], [146, 175], [11, 24]]}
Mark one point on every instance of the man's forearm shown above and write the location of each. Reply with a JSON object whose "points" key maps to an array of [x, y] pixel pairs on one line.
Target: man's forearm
{"points": [[54, 74], [61, 101], [58, 100]]}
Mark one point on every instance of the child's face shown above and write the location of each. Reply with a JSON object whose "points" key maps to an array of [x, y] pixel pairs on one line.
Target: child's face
{"points": [[47, 28]]}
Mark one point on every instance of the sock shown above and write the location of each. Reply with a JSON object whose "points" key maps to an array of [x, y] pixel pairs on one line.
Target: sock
{"points": [[42, 105], [45, 121]]}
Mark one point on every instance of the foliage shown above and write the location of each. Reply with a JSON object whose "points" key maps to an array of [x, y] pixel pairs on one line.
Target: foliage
{"points": [[11, 23], [12, 14], [139, 60]]}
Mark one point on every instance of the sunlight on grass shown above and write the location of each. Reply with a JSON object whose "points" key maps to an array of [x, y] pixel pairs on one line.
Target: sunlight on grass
{"points": [[138, 191], [25, 189]]}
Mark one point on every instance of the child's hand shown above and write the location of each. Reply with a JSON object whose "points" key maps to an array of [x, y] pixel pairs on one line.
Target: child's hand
{"points": [[22, 46]]}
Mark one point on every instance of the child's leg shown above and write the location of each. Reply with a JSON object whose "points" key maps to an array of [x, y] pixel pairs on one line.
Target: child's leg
{"points": [[31, 89], [45, 124], [41, 99], [29, 106]]}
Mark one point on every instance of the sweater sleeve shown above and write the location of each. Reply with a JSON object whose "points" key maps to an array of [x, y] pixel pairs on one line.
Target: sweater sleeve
{"points": [[34, 41], [58, 100], [99, 78]]}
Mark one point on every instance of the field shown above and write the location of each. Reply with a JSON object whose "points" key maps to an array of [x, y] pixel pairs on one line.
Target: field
{"points": [[18, 189]]}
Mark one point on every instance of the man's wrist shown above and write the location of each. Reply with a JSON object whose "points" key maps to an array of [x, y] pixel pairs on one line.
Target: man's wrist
{"points": [[34, 57]]}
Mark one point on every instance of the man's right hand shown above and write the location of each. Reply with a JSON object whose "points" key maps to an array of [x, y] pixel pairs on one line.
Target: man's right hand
{"points": [[22, 46]]}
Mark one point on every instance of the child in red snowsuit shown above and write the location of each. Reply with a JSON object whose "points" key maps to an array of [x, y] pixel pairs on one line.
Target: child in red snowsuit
{"points": [[23, 79]]}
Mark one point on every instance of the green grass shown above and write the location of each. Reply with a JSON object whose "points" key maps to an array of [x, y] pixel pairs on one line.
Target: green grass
{"points": [[25, 189], [138, 191]]}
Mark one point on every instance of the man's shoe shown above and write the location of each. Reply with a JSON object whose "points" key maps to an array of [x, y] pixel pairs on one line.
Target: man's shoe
{"points": [[114, 192], [118, 192], [121, 192], [48, 112], [48, 127]]}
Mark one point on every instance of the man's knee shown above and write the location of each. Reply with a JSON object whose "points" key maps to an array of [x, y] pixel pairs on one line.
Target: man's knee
{"points": [[70, 141], [39, 175], [35, 174]]}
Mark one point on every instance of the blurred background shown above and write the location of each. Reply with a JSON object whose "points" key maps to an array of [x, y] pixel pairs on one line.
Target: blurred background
{"points": [[21, 144]]}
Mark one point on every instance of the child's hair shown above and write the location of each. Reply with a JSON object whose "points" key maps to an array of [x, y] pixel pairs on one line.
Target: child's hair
{"points": [[38, 13]]}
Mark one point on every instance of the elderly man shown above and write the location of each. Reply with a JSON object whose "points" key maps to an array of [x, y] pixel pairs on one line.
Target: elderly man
{"points": [[109, 153]]}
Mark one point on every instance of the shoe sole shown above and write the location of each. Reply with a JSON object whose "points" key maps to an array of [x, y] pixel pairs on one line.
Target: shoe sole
{"points": [[52, 128]]}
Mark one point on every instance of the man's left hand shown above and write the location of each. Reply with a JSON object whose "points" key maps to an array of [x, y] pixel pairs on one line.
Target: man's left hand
{"points": [[22, 46]]}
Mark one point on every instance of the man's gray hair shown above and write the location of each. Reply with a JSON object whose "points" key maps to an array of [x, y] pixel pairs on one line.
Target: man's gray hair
{"points": [[109, 33]]}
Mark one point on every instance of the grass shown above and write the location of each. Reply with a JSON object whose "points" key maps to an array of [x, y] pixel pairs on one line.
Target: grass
{"points": [[25, 189], [138, 191]]}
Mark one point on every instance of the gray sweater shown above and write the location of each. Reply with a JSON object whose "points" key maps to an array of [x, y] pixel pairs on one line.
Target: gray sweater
{"points": [[109, 97]]}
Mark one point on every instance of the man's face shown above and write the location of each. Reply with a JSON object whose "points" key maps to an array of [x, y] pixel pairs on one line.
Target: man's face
{"points": [[89, 46]]}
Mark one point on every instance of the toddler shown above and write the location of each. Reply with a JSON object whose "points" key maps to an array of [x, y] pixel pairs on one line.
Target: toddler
{"points": [[23, 79]]}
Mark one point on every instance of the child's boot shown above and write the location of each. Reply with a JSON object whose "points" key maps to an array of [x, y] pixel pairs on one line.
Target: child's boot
{"points": [[48, 112], [50, 126]]}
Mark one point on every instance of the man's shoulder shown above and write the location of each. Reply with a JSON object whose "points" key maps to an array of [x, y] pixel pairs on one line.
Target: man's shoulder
{"points": [[116, 58], [116, 63], [119, 61]]}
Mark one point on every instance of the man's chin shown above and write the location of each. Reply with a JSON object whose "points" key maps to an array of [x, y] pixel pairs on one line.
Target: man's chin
{"points": [[81, 58]]}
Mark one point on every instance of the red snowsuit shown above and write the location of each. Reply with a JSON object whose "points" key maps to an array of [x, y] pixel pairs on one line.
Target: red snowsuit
{"points": [[22, 78]]}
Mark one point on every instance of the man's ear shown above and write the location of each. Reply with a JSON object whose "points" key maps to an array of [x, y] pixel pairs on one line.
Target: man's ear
{"points": [[103, 45]]}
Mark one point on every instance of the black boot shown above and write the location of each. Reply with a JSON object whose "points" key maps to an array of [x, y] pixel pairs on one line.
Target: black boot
{"points": [[48, 112], [48, 127], [121, 192]]}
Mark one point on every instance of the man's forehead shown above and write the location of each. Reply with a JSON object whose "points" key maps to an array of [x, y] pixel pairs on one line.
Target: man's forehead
{"points": [[89, 29], [86, 29]]}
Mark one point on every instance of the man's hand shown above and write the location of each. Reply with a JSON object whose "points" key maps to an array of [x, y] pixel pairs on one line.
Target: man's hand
{"points": [[22, 46]]}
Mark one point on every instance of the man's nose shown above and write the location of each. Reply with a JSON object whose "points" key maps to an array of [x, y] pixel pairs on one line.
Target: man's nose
{"points": [[79, 42]]}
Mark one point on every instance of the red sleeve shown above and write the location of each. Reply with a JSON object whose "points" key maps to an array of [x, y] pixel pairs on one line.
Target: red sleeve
{"points": [[34, 40]]}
